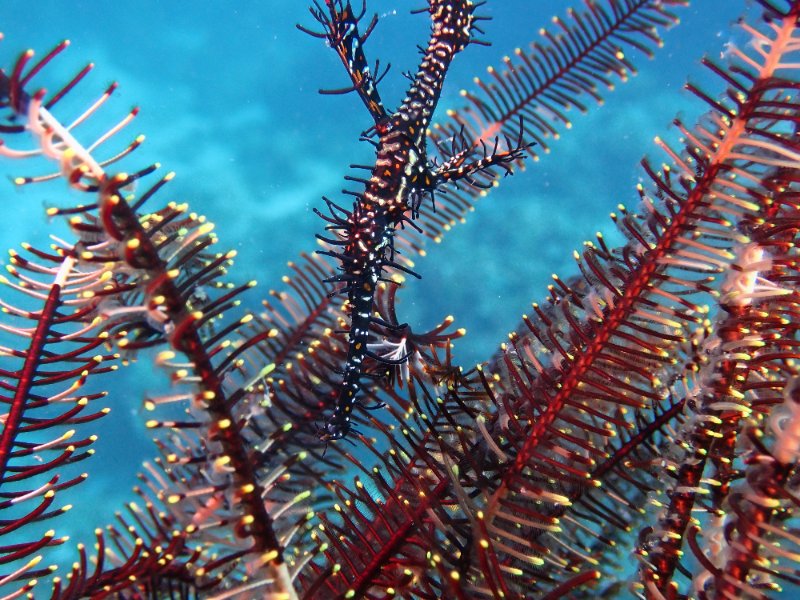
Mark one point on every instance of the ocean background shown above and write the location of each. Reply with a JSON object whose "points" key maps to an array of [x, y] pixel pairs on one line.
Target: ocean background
{"points": [[228, 98]]}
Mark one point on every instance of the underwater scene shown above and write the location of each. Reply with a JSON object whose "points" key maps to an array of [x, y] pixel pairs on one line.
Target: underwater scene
{"points": [[228, 97]]}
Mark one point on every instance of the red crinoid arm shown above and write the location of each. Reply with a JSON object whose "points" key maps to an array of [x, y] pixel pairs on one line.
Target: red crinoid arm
{"points": [[46, 408], [150, 279], [27, 374]]}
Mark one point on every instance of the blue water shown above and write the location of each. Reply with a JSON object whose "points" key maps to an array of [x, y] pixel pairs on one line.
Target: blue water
{"points": [[229, 100]]}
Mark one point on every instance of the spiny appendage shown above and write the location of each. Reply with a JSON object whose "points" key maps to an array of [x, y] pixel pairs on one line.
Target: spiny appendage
{"points": [[399, 179], [367, 240], [341, 30]]}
